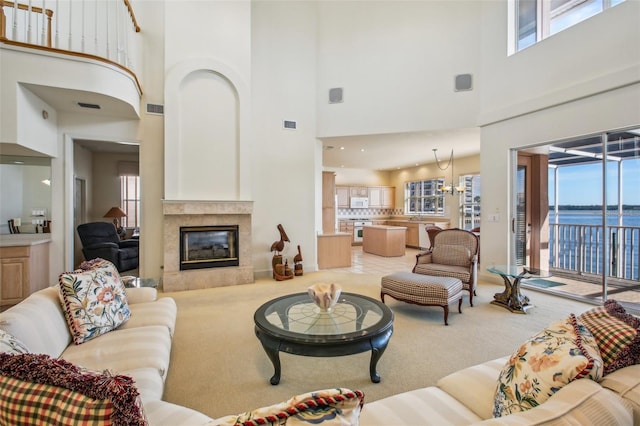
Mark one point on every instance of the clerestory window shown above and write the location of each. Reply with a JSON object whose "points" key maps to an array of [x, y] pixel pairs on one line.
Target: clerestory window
{"points": [[536, 20]]}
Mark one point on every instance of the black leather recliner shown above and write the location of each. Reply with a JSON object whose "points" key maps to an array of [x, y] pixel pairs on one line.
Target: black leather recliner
{"points": [[100, 239]]}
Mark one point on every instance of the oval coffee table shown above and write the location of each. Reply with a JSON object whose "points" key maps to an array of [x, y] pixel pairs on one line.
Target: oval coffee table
{"points": [[295, 324]]}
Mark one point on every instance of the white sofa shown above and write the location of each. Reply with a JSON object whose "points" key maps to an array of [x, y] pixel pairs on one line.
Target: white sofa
{"points": [[466, 398], [141, 348]]}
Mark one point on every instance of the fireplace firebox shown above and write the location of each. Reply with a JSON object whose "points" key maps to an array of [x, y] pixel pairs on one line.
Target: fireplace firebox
{"points": [[208, 246]]}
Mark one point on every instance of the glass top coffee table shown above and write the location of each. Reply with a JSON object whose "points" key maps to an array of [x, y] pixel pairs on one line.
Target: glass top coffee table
{"points": [[511, 298], [296, 325]]}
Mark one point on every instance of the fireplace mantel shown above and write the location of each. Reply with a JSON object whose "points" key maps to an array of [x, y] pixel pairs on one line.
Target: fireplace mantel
{"points": [[179, 213]]}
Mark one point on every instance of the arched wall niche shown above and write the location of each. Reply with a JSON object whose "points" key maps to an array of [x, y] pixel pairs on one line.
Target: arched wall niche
{"points": [[206, 133]]}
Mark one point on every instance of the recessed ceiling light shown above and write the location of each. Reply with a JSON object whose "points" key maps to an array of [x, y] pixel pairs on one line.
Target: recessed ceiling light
{"points": [[342, 148], [361, 149], [18, 162]]}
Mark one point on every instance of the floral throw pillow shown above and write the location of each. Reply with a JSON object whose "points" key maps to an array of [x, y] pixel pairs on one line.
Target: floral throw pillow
{"points": [[562, 352], [616, 332], [11, 345], [94, 302], [340, 407]]}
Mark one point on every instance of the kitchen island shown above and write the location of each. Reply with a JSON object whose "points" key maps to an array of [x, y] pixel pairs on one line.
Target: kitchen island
{"points": [[334, 250], [384, 240]]}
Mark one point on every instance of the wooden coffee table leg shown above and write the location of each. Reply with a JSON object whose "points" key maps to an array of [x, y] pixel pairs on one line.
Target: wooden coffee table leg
{"points": [[274, 356]]}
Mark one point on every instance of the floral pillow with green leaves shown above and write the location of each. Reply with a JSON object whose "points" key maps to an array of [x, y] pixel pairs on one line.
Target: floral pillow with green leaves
{"points": [[564, 351]]}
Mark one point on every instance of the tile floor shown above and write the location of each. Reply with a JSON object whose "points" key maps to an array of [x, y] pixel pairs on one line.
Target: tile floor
{"points": [[366, 263]]}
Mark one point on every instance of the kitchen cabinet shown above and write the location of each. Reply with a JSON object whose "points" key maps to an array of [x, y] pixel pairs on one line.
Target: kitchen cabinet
{"points": [[382, 197], [24, 267], [412, 233], [358, 191], [328, 202], [346, 226], [342, 193]]}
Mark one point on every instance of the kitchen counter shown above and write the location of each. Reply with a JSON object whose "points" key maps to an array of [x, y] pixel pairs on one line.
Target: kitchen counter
{"points": [[17, 240], [334, 250], [384, 240]]}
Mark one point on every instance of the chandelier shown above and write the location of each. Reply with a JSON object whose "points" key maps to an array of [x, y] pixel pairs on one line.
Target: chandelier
{"points": [[451, 188]]}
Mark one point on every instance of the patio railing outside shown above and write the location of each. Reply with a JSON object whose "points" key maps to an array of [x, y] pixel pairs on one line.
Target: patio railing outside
{"points": [[578, 249]]}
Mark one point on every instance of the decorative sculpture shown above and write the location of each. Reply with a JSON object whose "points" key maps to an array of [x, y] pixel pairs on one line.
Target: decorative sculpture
{"points": [[325, 295], [278, 246], [297, 263], [280, 272]]}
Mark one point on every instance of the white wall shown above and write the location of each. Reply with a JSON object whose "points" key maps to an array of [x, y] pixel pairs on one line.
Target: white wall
{"points": [[286, 164], [11, 194], [582, 81], [396, 62], [364, 177]]}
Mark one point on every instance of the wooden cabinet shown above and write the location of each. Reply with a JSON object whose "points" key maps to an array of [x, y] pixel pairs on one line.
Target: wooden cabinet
{"points": [[412, 233], [382, 197], [334, 251], [358, 191], [328, 202], [342, 193], [23, 270], [346, 226]]}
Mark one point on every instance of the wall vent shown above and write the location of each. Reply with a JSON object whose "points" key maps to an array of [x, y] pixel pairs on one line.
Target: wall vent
{"points": [[463, 82], [288, 124], [336, 95], [155, 109]]}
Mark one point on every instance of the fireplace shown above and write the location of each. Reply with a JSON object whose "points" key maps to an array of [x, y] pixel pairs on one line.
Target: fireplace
{"points": [[208, 246], [206, 217]]}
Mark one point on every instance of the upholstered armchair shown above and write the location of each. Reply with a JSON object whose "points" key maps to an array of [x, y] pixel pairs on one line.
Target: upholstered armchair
{"points": [[100, 239], [453, 253]]}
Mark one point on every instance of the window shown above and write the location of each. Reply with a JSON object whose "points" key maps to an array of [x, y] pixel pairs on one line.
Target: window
{"points": [[130, 200], [539, 19], [470, 202], [129, 193], [424, 197]]}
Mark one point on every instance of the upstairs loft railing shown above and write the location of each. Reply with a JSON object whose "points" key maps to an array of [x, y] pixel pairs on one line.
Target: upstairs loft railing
{"points": [[105, 30]]}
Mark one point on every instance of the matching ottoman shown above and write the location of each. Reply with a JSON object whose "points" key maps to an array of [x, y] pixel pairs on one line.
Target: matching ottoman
{"points": [[423, 290]]}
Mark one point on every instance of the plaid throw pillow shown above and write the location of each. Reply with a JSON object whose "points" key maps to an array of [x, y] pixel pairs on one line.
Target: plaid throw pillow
{"points": [[36, 389], [617, 335]]}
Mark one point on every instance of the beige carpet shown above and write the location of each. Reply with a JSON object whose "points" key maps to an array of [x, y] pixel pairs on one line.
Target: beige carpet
{"points": [[218, 366]]}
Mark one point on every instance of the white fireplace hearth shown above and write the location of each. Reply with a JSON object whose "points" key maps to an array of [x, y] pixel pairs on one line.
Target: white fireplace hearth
{"points": [[205, 213]]}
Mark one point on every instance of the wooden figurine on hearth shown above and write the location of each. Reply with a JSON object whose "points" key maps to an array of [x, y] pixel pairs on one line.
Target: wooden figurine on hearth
{"points": [[297, 263], [280, 270]]}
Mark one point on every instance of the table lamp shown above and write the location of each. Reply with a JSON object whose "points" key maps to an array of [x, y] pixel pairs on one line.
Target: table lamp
{"points": [[116, 213]]}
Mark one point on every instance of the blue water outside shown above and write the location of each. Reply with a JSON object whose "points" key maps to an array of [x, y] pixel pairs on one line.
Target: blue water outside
{"points": [[627, 261]]}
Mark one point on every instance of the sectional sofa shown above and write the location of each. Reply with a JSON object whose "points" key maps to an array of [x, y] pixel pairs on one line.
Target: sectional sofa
{"points": [[589, 365]]}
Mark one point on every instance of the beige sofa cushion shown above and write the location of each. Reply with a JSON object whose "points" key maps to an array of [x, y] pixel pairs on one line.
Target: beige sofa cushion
{"points": [[626, 383], [161, 312], [426, 406], [582, 402], [162, 413], [39, 323], [122, 350], [475, 386]]}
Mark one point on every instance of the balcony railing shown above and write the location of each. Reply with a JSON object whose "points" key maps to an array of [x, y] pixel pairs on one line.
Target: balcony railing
{"points": [[578, 249], [100, 29]]}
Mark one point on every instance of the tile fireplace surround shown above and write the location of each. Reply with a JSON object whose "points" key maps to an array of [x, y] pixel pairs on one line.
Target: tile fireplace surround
{"points": [[205, 213]]}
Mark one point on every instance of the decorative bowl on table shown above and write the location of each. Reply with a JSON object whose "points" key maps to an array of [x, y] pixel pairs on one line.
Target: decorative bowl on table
{"points": [[325, 295]]}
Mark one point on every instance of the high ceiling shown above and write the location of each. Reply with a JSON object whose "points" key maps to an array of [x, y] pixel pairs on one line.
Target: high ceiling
{"points": [[398, 150]]}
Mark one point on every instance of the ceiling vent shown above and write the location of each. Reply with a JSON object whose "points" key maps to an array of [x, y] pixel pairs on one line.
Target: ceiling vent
{"points": [[155, 109], [87, 105], [288, 124]]}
